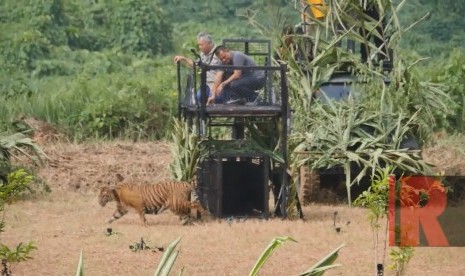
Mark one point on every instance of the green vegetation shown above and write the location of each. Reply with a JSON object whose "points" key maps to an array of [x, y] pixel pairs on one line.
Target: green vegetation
{"points": [[16, 145], [80, 268], [451, 72], [318, 269], [168, 259], [103, 69], [169, 256], [376, 200], [439, 33], [384, 123], [17, 182], [14, 182], [185, 151], [400, 257], [95, 70]]}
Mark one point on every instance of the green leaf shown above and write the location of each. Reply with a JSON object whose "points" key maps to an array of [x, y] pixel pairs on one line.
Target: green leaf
{"points": [[168, 259], [324, 264], [80, 267], [275, 243]]}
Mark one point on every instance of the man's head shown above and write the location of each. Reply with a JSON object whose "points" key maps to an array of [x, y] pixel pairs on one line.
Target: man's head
{"points": [[205, 42], [223, 54]]}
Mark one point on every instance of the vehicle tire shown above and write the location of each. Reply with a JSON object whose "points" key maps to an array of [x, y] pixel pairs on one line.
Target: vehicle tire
{"points": [[309, 185]]}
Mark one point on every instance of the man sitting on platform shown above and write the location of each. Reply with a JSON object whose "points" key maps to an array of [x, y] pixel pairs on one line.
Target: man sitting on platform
{"points": [[236, 85], [207, 56]]}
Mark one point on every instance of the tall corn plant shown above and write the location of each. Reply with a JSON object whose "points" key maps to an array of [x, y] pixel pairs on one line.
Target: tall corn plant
{"points": [[345, 133], [369, 128], [185, 151]]}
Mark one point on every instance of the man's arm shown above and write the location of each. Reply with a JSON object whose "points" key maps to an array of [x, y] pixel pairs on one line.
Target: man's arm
{"points": [[219, 84], [218, 78], [235, 75], [189, 62], [216, 89]]}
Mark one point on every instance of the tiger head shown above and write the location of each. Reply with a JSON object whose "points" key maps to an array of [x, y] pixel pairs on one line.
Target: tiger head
{"points": [[105, 195]]}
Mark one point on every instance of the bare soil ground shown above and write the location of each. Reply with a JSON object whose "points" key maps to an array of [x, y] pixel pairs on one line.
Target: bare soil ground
{"points": [[69, 219]]}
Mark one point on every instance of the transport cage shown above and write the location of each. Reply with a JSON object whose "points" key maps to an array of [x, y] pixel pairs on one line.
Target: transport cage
{"points": [[235, 185]]}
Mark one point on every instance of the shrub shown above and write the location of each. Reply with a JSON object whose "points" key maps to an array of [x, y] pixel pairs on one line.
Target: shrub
{"points": [[15, 185]]}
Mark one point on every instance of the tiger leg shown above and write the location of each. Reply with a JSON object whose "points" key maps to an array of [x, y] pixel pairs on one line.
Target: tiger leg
{"points": [[141, 213], [118, 214], [185, 219], [162, 208], [182, 210], [185, 210], [198, 207]]}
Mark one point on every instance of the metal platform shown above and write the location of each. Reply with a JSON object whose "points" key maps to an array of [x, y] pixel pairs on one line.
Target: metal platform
{"points": [[223, 176], [224, 110]]}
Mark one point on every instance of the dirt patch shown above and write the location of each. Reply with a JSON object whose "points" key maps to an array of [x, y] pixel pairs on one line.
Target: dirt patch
{"points": [[40, 131], [86, 167], [448, 159]]}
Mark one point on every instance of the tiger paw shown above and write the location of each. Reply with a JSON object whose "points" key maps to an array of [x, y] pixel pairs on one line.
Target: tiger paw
{"points": [[188, 221], [185, 221]]}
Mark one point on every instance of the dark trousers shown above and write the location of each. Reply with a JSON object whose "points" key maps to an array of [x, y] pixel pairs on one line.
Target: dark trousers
{"points": [[244, 87]]}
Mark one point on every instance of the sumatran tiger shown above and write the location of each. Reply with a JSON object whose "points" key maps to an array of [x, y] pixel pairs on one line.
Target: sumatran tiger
{"points": [[154, 198]]}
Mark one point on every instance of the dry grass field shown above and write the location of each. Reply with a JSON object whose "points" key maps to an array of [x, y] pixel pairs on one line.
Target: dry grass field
{"points": [[69, 219]]}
